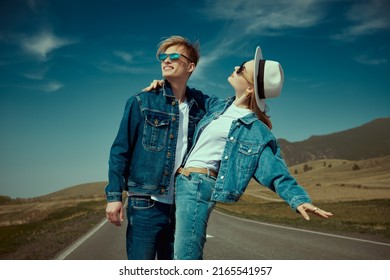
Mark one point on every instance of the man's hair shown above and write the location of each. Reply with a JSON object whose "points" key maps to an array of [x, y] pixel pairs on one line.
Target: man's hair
{"points": [[192, 48]]}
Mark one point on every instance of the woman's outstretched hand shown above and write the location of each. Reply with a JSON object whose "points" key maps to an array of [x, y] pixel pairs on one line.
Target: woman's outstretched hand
{"points": [[156, 84], [306, 208]]}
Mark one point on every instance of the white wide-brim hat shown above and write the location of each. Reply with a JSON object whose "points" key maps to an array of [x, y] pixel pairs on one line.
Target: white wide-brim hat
{"points": [[268, 79]]}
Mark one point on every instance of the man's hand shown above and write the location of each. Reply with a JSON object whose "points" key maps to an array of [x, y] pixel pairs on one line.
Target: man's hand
{"points": [[114, 213], [156, 84]]}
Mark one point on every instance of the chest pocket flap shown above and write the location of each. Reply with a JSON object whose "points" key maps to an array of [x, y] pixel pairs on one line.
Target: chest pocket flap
{"points": [[249, 148], [247, 156], [155, 132], [156, 120]]}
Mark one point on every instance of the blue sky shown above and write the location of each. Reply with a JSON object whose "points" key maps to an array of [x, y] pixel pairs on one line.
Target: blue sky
{"points": [[67, 68]]}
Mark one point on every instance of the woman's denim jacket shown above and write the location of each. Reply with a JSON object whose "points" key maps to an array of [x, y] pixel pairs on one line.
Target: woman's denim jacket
{"points": [[143, 153], [251, 150]]}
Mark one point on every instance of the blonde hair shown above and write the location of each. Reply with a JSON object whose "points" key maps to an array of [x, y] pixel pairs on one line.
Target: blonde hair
{"points": [[192, 48]]}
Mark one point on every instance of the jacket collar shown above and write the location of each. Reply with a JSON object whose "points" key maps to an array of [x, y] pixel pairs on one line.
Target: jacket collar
{"points": [[248, 119], [167, 92]]}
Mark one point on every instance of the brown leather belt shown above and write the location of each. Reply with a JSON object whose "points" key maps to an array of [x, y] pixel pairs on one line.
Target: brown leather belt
{"points": [[188, 170]]}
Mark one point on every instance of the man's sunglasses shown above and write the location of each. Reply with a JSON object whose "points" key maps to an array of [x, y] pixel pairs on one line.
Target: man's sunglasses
{"points": [[172, 56]]}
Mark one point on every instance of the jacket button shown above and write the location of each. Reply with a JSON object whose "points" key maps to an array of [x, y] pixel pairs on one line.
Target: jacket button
{"points": [[222, 177], [226, 157], [171, 136], [173, 103], [169, 154], [163, 191], [173, 119], [166, 173], [231, 138]]}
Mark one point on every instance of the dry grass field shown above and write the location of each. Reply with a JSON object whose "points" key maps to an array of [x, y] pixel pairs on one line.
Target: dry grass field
{"points": [[336, 180], [357, 192], [39, 228]]}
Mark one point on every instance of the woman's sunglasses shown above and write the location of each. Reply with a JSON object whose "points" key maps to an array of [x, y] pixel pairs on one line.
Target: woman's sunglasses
{"points": [[241, 68]]}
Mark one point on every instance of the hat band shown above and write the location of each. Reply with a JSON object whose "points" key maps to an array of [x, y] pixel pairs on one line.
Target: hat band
{"points": [[260, 79]]}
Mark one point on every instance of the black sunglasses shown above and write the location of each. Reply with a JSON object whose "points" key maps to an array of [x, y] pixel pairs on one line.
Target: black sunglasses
{"points": [[241, 68]]}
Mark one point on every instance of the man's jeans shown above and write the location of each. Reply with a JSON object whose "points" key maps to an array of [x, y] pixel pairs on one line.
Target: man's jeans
{"points": [[193, 208], [150, 229]]}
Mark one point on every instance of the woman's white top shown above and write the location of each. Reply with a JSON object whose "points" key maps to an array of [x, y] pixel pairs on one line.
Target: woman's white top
{"points": [[211, 142]]}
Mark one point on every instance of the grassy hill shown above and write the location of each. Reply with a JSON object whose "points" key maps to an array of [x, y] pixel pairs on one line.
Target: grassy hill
{"points": [[364, 142], [89, 190]]}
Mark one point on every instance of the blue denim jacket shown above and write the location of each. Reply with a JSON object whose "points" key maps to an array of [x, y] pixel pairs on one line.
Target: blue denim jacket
{"points": [[143, 153], [251, 150]]}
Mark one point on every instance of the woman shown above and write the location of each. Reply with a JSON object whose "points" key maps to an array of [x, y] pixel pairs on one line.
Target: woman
{"points": [[233, 143]]}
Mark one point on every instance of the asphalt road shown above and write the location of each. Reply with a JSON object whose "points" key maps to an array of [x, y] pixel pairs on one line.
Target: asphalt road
{"points": [[231, 238]]}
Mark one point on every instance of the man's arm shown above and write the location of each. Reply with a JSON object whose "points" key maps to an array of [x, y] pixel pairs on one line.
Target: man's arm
{"points": [[120, 157]]}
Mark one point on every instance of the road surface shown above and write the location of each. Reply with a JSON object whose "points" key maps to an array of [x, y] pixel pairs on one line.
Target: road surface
{"points": [[232, 238]]}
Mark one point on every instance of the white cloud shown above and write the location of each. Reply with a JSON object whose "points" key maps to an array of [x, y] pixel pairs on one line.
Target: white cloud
{"points": [[38, 74], [363, 59], [266, 16], [42, 44], [248, 19], [127, 57], [48, 87], [119, 68], [224, 48], [367, 17], [51, 86]]}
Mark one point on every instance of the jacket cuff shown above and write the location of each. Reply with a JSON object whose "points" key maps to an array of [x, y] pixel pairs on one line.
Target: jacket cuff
{"points": [[298, 200], [113, 196]]}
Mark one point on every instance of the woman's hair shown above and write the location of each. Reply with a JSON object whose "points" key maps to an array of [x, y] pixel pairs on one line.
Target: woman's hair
{"points": [[253, 104], [192, 48], [261, 115]]}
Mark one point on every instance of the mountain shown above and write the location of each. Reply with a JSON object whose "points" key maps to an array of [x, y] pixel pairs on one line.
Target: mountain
{"points": [[364, 142], [82, 191]]}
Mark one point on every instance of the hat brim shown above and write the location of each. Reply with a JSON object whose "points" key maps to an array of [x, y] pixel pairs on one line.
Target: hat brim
{"points": [[258, 57]]}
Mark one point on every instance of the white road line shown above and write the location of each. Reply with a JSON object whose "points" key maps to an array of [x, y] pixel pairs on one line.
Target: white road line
{"points": [[303, 230], [80, 241]]}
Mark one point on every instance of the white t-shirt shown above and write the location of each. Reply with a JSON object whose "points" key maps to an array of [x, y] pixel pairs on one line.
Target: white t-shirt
{"points": [[181, 150], [209, 147]]}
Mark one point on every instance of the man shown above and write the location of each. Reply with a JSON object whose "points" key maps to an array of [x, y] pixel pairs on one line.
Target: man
{"points": [[155, 133]]}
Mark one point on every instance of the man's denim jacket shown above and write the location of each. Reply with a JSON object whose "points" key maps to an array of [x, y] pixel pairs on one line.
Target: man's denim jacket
{"points": [[142, 156], [251, 150]]}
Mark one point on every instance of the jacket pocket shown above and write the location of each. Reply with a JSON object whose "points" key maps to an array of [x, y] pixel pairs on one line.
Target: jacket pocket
{"points": [[247, 156], [155, 132]]}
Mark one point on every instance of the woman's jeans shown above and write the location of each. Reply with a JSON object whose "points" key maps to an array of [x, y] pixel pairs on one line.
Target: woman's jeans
{"points": [[150, 229], [193, 208]]}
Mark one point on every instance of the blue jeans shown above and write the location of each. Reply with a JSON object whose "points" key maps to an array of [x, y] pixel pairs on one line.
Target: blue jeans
{"points": [[150, 229], [193, 208]]}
